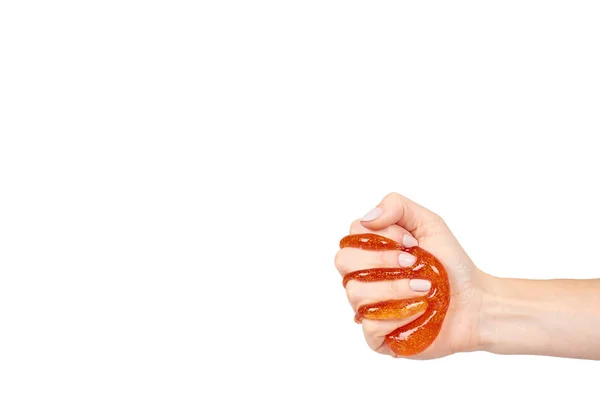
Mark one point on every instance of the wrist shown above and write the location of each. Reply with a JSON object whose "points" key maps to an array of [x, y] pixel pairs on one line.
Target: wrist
{"points": [[536, 317], [556, 317], [492, 311], [511, 318]]}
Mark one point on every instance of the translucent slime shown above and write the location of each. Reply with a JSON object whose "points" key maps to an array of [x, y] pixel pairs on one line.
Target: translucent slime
{"points": [[418, 335]]}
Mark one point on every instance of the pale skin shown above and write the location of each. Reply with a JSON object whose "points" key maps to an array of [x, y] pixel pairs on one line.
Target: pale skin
{"points": [[559, 318]]}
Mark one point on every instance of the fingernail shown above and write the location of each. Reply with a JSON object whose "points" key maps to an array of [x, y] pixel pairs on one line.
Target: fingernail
{"points": [[406, 259], [409, 241], [372, 215], [420, 285]]}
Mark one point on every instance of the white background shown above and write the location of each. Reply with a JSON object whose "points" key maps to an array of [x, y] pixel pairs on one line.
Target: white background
{"points": [[175, 178]]}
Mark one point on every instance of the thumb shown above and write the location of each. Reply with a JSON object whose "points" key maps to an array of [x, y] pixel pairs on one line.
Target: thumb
{"points": [[397, 209]]}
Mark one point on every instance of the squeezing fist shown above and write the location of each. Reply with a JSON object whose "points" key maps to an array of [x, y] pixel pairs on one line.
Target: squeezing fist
{"points": [[398, 289]]}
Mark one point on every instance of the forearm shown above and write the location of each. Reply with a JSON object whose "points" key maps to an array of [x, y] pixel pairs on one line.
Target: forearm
{"points": [[546, 317]]}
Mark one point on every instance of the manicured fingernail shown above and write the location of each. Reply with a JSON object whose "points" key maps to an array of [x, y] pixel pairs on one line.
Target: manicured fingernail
{"points": [[372, 215], [406, 259], [409, 241], [420, 285]]}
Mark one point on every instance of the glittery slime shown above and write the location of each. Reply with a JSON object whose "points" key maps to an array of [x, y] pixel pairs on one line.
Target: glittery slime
{"points": [[419, 334]]}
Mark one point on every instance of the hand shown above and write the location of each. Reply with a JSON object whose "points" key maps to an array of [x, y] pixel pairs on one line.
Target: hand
{"points": [[406, 222]]}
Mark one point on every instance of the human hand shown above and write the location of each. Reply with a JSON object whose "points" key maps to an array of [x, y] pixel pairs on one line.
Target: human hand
{"points": [[410, 224]]}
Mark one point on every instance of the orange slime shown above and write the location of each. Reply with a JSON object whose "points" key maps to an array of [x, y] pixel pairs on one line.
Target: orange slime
{"points": [[419, 334]]}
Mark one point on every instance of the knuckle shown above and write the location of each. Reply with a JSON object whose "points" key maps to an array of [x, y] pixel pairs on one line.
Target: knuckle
{"points": [[339, 260], [355, 226], [436, 221], [372, 335], [394, 197], [369, 329], [436, 217], [372, 344], [397, 233], [351, 293], [398, 288], [380, 257]]}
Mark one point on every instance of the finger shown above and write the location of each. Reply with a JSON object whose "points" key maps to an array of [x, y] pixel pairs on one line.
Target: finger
{"points": [[397, 209], [376, 331], [394, 232], [362, 293], [351, 259], [391, 309], [348, 260]]}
